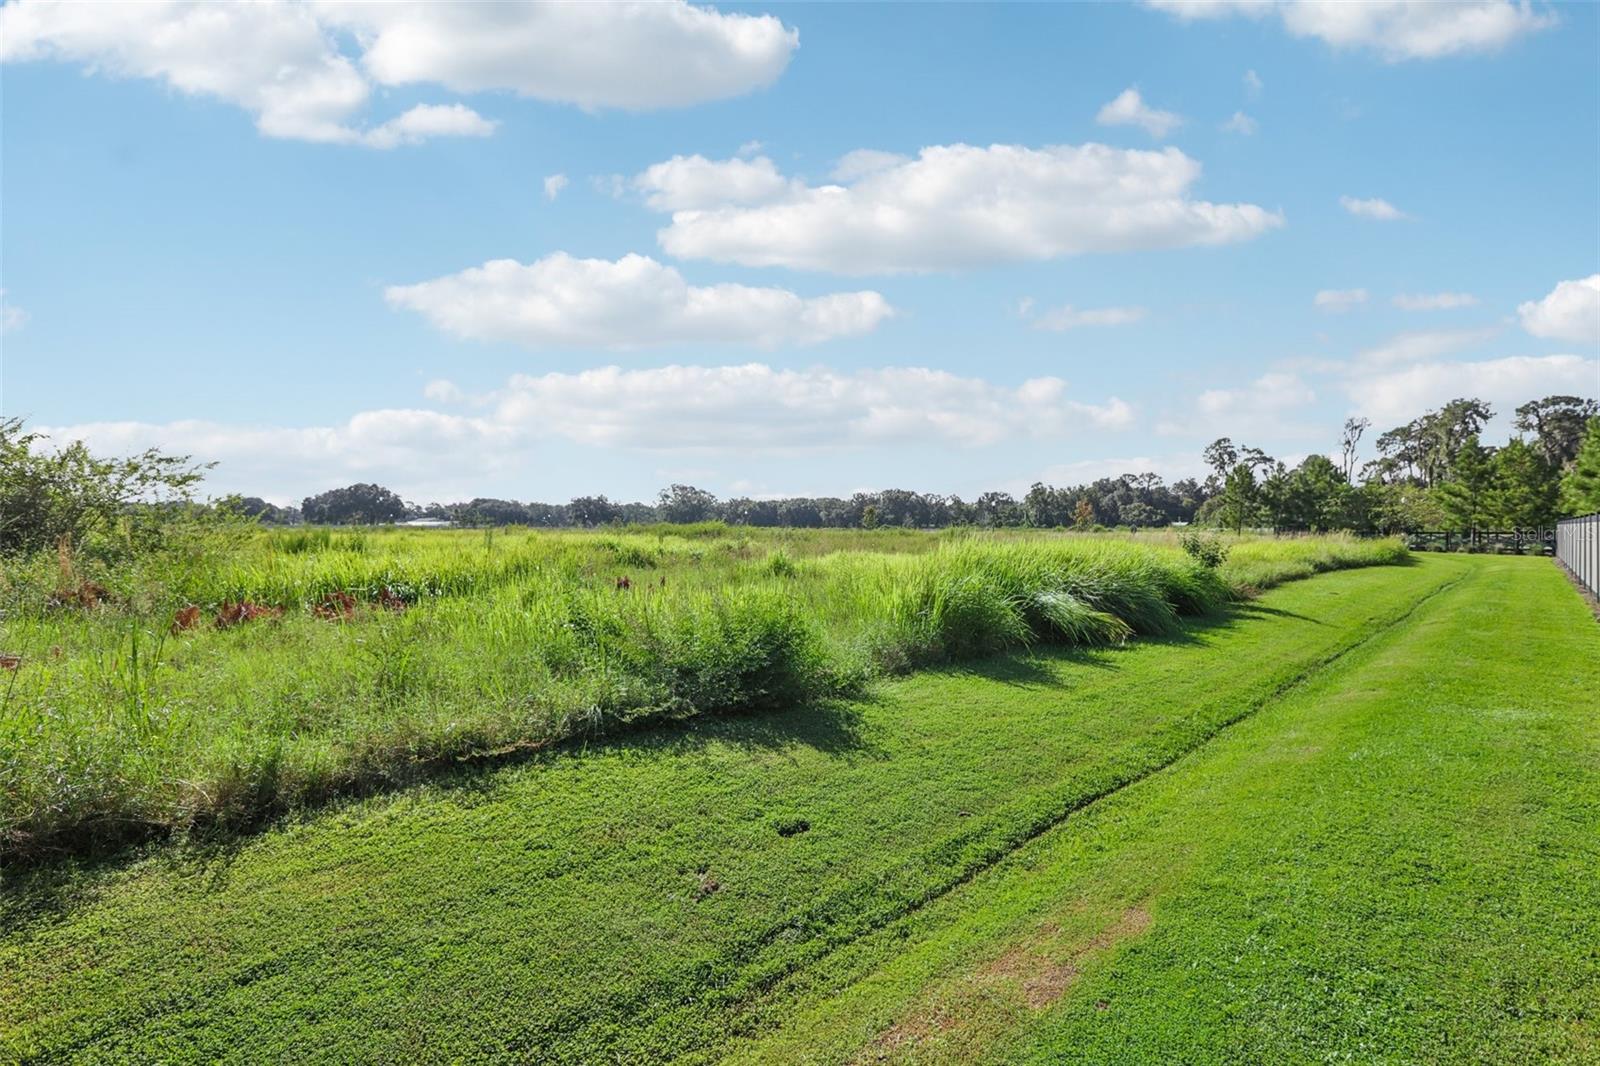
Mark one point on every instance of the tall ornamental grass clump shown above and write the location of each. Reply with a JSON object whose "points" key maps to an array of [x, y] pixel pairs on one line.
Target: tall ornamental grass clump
{"points": [[976, 598], [117, 722], [1256, 564]]}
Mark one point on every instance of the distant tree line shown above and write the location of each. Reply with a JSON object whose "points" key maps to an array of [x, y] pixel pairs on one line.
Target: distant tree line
{"points": [[1432, 473]]}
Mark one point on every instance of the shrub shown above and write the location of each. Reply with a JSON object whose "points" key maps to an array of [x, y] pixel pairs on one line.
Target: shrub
{"points": [[111, 507], [780, 564], [1208, 551]]}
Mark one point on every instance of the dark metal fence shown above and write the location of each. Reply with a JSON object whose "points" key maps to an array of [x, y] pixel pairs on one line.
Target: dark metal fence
{"points": [[1520, 541], [1578, 548]]}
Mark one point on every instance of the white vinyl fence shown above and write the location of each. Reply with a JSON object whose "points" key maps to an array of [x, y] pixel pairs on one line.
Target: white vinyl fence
{"points": [[1578, 548]]}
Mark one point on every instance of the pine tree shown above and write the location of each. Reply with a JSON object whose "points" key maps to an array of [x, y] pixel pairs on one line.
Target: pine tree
{"points": [[1580, 489], [1524, 487], [1465, 496]]}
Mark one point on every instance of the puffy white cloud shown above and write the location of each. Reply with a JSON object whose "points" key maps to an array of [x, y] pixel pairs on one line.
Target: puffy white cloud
{"points": [[553, 185], [629, 303], [1253, 83], [731, 410], [1394, 396], [443, 390], [275, 60], [1336, 301], [1375, 208], [1434, 301], [1571, 312], [1241, 124], [1417, 345], [429, 120], [864, 161], [953, 207], [1395, 29], [1068, 317], [637, 56], [1129, 109], [690, 182], [282, 60]]}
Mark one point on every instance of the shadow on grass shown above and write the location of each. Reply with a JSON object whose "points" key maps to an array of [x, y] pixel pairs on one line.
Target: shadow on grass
{"points": [[1252, 609], [59, 883], [55, 885]]}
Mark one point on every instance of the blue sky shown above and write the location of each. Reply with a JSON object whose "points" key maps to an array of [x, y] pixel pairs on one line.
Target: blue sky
{"points": [[316, 243]]}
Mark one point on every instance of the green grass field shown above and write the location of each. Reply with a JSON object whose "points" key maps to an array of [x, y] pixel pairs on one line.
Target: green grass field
{"points": [[1355, 819]]}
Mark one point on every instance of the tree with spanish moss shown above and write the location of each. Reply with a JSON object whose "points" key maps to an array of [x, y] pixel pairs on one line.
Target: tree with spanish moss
{"points": [[1556, 425]]}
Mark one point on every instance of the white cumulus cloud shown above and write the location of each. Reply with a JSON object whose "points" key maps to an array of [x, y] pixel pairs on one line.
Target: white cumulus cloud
{"points": [[1374, 208], [1129, 109], [1570, 312], [631, 302], [1395, 29], [636, 56], [443, 390], [429, 120], [691, 182], [285, 61], [553, 185], [952, 207], [1390, 397]]}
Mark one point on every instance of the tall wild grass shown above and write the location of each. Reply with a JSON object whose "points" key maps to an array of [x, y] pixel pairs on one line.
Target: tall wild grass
{"points": [[116, 725]]}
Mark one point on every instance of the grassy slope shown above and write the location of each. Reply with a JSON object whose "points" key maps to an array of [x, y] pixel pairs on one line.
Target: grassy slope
{"points": [[1400, 862], [637, 897]]}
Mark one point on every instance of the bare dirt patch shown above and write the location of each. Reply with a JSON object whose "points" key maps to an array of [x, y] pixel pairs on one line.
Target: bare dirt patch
{"points": [[1032, 974]]}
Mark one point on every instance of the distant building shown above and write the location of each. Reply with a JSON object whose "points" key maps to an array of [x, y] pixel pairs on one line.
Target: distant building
{"points": [[427, 523]]}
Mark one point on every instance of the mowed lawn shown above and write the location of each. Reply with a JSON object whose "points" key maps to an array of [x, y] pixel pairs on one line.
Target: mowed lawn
{"points": [[1356, 819]]}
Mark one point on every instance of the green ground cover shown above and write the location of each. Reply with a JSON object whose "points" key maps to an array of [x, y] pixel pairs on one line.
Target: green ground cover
{"points": [[826, 875], [376, 658], [1396, 863]]}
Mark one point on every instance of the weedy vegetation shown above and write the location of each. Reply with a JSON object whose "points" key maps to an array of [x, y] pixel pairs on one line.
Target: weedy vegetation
{"points": [[236, 673]]}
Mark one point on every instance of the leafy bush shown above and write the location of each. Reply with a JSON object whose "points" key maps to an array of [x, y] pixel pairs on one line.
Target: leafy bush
{"points": [[780, 564], [1208, 551], [110, 507]]}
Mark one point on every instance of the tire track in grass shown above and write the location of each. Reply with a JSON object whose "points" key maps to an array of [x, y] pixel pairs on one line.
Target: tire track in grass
{"points": [[1356, 897], [1025, 965], [669, 1018]]}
